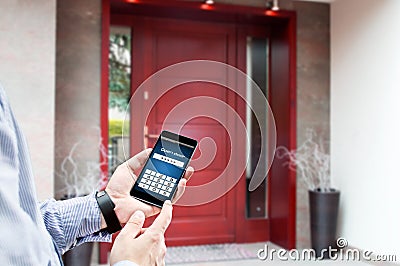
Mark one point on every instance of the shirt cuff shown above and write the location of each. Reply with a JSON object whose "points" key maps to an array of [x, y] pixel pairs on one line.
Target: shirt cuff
{"points": [[74, 221], [94, 232]]}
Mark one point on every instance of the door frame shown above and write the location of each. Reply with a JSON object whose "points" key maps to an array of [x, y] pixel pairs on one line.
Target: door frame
{"points": [[281, 222]]}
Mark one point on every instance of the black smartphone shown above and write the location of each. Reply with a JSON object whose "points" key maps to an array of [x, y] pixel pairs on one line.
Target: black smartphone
{"points": [[166, 165]]}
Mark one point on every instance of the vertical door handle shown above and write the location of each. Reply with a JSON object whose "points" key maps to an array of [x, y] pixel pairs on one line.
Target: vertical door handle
{"points": [[148, 136]]}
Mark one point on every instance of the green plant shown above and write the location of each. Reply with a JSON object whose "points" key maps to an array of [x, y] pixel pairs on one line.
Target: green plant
{"points": [[115, 128]]}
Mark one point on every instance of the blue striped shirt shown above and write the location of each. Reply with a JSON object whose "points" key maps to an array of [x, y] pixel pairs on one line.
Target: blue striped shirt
{"points": [[32, 234]]}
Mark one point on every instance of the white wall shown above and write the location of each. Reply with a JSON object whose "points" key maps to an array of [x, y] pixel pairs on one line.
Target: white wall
{"points": [[365, 122], [27, 72]]}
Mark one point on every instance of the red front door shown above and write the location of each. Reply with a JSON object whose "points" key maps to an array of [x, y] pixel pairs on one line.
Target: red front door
{"points": [[159, 43]]}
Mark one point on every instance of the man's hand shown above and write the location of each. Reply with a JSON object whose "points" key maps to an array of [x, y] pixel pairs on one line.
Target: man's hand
{"points": [[122, 181], [143, 246]]}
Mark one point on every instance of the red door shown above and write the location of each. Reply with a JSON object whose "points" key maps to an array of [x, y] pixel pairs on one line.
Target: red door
{"points": [[159, 43]]}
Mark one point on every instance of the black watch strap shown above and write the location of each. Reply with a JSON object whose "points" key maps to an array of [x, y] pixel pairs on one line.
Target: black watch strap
{"points": [[107, 206]]}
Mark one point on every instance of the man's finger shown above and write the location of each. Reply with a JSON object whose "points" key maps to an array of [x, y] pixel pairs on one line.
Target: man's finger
{"points": [[188, 173], [134, 225], [148, 209], [182, 184], [180, 190], [163, 220], [136, 162]]}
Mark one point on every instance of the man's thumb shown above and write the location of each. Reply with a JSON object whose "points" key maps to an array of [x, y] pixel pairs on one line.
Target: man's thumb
{"points": [[134, 224]]}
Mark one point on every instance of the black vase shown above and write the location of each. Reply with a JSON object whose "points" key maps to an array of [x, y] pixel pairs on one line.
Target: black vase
{"points": [[324, 208], [79, 256]]}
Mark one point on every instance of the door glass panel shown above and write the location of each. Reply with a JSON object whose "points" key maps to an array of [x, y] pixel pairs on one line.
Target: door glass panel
{"points": [[119, 94], [257, 68]]}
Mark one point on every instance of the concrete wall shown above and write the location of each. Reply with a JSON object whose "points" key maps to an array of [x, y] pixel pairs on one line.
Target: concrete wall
{"points": [[27, 72], [78, 73], [313, 92], [365, 127]]}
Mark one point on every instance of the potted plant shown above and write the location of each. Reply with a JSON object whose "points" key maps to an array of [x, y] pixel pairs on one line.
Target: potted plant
{"points": [[80, 179], [313, 165]]}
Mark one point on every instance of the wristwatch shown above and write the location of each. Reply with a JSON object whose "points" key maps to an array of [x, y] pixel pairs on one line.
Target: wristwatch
{"points": [[107, 206]]}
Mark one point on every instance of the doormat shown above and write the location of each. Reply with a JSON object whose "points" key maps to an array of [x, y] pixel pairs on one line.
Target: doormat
{"points": [[206, 253]]}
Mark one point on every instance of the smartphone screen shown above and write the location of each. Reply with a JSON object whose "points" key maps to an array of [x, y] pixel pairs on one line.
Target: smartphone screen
{"points": [[165, 166]]}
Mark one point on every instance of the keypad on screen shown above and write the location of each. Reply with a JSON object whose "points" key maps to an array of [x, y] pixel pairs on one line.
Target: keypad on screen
{"points": [[157, 183]]}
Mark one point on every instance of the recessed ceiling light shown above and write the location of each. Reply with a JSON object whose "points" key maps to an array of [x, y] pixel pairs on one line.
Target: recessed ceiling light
{"points": [[275, 6]]}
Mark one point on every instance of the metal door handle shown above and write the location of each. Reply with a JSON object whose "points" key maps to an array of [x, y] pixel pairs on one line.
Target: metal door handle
{"points": [[148, 136]]}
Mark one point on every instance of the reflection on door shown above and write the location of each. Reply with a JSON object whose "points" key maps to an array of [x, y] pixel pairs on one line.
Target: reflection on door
{"points": [[257, 58]]}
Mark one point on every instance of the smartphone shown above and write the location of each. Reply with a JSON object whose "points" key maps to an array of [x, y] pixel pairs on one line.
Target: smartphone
{"points": [[166, 165]]}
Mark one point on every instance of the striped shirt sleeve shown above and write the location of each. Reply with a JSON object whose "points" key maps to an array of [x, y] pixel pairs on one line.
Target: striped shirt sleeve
{"points": [[73, 222], [24, 238]]}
